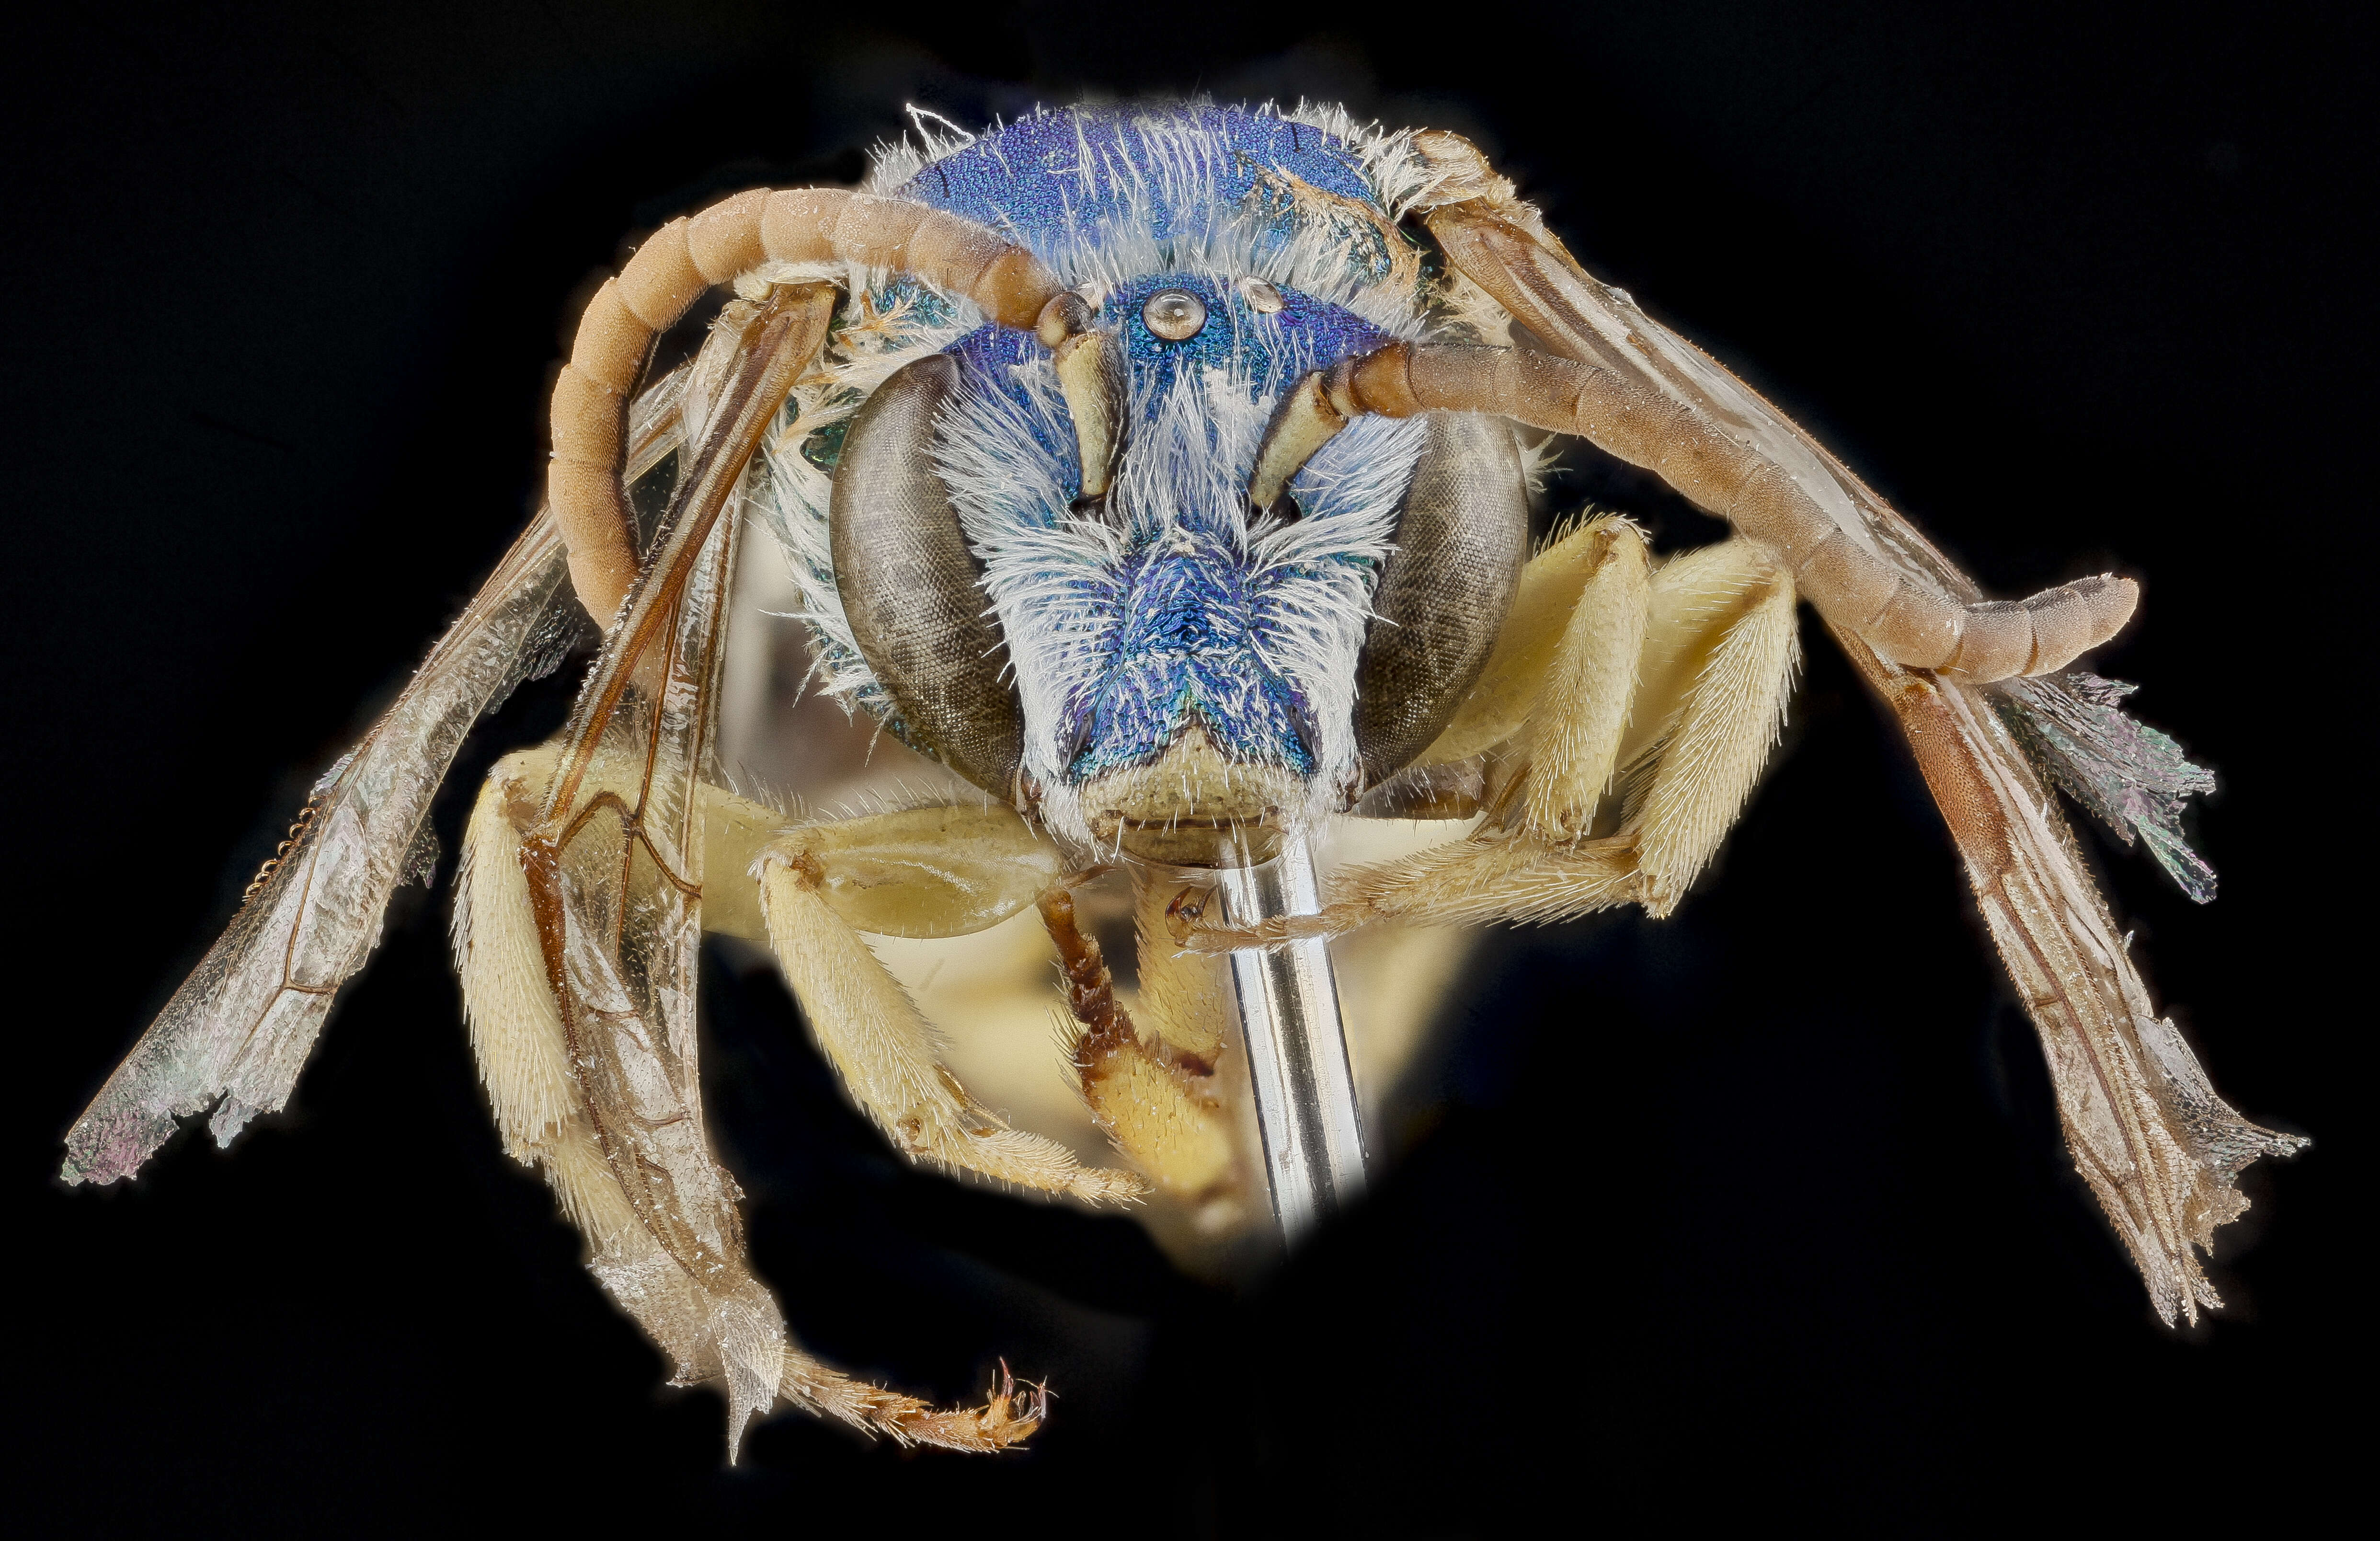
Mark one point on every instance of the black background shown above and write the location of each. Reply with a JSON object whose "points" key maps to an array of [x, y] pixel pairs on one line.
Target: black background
{"points": [[1760, 1208]]}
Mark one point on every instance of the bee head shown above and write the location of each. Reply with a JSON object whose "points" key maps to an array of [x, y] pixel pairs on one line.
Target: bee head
{"points": [[1187, 666], [1171, 673]]}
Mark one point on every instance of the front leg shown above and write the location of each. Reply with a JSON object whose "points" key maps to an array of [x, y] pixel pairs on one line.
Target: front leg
{"points": [[1154, 1093], [937, 871], [1699, 673]]}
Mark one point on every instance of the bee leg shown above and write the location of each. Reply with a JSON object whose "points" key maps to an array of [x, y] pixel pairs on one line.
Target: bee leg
{"points": [[1717, 667], [541, 1117], [1710, 675], [1703, 670], [1549, 714], [1570, 740], [1154, 1093], [935, 871]]}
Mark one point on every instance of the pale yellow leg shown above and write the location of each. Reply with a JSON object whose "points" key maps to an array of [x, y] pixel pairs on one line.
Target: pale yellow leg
{"points": [[1718, 665], [1152, 1087], [924, 872], [1699, 659], [1572, 737], [938, 871], [722, 1328], [1499, 703]]}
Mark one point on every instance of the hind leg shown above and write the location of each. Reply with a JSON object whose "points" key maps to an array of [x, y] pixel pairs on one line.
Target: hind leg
{"points": [[724, 1327]]}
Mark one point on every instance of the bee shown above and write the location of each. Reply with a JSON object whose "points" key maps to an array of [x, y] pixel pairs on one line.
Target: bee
{"points": [[1159, 474]]}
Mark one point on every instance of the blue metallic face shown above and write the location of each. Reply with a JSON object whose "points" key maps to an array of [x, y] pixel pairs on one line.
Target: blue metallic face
{"points": [[1169, 606], [1305, 333], [1189, 598], [1187, 648]]}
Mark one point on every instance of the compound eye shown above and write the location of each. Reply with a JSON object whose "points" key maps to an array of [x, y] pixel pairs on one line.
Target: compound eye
{"points": [[1462, 538], [1176, 315], [909, 585]]}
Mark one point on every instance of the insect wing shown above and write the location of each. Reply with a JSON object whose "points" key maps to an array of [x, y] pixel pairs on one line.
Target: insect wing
{"points": [[236, 1033], [2155, 1143], [616, 878], [2156, 1146], [1580, 317], [2132, 778]]}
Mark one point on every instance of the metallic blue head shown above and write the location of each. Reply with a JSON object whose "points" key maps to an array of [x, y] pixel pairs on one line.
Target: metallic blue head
{"points": [[1195, 619], [1172, 651], [1187, 648]]}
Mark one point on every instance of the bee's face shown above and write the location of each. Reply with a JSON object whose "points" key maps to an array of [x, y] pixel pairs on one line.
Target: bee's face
{"points": [[1185, 665], [1183, 674]]}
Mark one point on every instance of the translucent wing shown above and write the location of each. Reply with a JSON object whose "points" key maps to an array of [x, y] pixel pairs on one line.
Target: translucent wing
{"points": [[2134, 779], [236, 1035], [2158, 1147], [616, 878], [2155, 1143]]}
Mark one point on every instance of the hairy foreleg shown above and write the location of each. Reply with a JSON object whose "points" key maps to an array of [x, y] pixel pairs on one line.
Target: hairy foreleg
{"points": [[1726, 622], [1496, 707], [933, 872], [810, 880], [1570, 746], [1700, 670], [808, 890], [1152, 1093]]}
